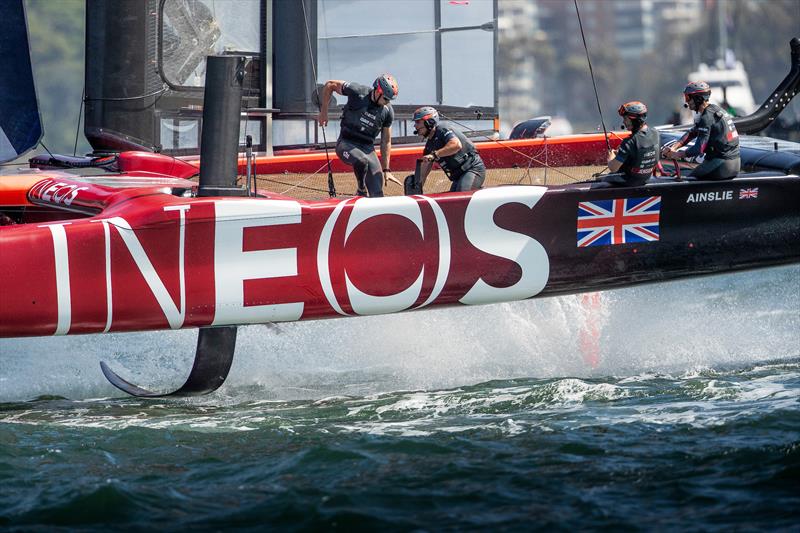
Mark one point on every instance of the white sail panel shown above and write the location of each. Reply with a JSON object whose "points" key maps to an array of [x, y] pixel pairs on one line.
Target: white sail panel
{"points": [[472, 52], [441, 52]]}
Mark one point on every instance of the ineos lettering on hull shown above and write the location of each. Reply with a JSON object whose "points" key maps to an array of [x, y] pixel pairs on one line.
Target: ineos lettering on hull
{"points": [[264, 260]]}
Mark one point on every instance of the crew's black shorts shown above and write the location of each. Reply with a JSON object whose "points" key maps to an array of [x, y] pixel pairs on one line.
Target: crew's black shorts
{"points": [[717, 169]]}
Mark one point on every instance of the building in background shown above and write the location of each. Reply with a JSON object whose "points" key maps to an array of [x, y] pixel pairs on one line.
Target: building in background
{"points": [[543, 65], [517, 23], [640, 26]]}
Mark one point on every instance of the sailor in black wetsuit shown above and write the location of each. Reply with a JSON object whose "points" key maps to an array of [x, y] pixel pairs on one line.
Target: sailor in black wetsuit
{"points": [[456, 154], [633, 163], [716, 139], [366, 114]]}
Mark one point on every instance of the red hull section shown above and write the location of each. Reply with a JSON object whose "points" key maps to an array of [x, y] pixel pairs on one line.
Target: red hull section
{"points": [[162, 261], [569, 150]]}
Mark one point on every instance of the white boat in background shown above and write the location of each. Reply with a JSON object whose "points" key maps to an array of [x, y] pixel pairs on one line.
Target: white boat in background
{"points": [[730, 86]]}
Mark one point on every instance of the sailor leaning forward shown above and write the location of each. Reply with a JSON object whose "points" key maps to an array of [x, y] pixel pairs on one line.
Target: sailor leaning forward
{"points": [[716, 138], [455, 154], [633, 163], [366, 114]]}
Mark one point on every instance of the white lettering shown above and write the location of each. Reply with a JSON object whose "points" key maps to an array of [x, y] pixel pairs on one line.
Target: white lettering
{"points": [[715, 196], [174, 315], [323, 252], [73, 195], [528, 253], [364, 209], [46, 196], [59, 195], [444, 251], [36, 190], [232, 265], [109, 292], [60, 192], [63, 292]]}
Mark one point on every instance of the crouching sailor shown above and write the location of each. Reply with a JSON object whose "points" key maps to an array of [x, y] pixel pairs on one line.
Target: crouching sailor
{"points": [[633, 163], [367, 113], [716, 139], [451, 149]]}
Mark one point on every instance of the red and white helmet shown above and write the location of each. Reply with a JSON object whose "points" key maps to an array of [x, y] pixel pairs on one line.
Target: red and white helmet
{"points": [[385, 85], [634, 110], [428, 114], [697, 88]]}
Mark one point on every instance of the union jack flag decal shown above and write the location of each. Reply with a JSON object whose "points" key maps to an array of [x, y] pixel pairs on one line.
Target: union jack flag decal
{"points": [[618, 221], [745, 194]]}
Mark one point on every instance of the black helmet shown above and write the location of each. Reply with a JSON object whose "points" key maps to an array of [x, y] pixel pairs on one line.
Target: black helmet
{"points": [[428, 114], [385, 85], [633, 110], [697, 88]]}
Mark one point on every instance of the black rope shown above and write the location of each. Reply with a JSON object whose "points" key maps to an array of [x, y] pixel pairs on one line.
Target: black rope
{"points": [[331, 184], [78, 125], [48, 150], [248, 156], [591, 73], [531, 159], [125, 98], [18, 163], [293, 185], [255, 178]]}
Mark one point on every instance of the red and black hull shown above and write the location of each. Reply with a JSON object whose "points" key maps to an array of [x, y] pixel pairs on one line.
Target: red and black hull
{"points": [[149, 260]]}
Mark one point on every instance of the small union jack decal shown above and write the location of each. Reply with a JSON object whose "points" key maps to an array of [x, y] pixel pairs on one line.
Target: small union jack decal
{"points": [[745, 194], [618, 221]]}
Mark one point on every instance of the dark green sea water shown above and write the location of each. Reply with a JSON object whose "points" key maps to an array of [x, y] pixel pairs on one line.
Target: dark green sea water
{"points": [[490, 418]]}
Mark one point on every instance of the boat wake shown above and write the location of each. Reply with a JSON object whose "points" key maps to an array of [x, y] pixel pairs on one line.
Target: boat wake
{"points": [[684, 326], [698, 399]]}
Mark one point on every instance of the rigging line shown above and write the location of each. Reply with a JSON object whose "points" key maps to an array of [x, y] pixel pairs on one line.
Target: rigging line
{"points": [[48, 150], [497, 141], [527, 173], [321, 6], [162, 90], [306, 178], [389, 34], [591, 73], [255, 176], [249, 159], [78, 125], [545, 159], [518, 152], [291, 185], [331, 184], [297, 186]]}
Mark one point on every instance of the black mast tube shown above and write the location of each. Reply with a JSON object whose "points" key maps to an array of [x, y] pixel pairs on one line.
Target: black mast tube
{"points": [[219, 142], [777, 100]]}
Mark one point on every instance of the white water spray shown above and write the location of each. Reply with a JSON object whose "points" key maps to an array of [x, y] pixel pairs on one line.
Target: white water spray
{"points": [[679, 326]]}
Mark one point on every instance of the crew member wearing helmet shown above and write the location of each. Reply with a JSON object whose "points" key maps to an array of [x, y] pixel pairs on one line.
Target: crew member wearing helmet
{"points": [[455, 154], [716, 139], [633, 163], [366, 114]]}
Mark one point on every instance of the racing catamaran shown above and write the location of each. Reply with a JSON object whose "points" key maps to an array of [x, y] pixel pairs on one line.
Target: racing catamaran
{"points": [[130, 241]]}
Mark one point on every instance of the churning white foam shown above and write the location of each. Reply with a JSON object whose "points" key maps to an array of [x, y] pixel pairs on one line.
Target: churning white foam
{"points": [[692, 324]]}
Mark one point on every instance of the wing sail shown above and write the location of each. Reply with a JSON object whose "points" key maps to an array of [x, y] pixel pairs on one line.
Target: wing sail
{"points": [[20, 124]]}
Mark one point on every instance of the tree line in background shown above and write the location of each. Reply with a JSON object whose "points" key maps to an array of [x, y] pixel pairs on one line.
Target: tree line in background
{"points": [[56, 34], [759, 32]]}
